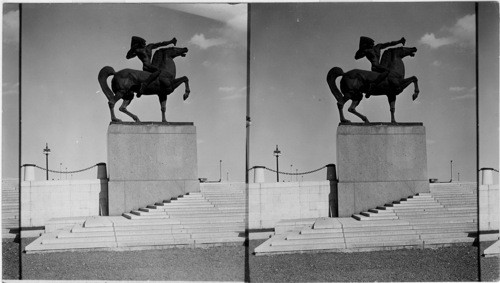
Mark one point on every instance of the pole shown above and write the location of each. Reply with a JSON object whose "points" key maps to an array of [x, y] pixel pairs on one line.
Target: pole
{"points": [[46, 151], [451, 166], [277, 153], [277, 169], [220, 171], [47, 166]]}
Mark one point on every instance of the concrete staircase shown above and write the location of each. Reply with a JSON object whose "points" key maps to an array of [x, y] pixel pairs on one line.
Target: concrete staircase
{"points": [[214, 216], [446, 215], [10, 208]]}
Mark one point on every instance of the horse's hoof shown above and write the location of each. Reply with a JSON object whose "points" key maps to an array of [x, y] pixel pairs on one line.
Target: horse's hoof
{"points": [[185, 96], [116, 120], [345, 121], [414, 96]]}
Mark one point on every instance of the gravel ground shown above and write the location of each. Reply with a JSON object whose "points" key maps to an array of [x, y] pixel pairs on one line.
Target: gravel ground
{"points": [[10, 259], [179, 264], [457, 263]]}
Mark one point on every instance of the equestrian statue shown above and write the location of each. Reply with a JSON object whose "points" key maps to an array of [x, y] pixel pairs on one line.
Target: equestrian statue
{"points": [[387, 77], [157, 77]]}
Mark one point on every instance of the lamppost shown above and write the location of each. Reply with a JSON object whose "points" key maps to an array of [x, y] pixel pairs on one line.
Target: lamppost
{"points": [[46, 151], [277, 153], [451, 175], [220, 171], [291, 171]]}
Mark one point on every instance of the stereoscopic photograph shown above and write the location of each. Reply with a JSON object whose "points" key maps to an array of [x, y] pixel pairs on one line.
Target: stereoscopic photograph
{"points": [[265, 142]]}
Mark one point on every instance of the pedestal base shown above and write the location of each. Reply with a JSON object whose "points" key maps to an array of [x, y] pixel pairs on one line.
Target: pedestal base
{"points": [[379, 164], [150, 162]]}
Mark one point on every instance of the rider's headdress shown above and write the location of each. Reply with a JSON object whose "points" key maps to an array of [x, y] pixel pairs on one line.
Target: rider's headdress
{"points": [[364, 42], [134, 44]]}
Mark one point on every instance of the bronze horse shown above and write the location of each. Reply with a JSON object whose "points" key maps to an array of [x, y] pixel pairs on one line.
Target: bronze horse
{"points": [[126, 81], [356, 82]]}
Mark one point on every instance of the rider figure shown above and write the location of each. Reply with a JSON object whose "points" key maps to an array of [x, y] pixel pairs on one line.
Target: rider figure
{"points": [[144, 52], [368, 49]]}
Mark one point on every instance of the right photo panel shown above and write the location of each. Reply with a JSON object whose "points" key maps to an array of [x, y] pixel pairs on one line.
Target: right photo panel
{"points": [[373, 142]]}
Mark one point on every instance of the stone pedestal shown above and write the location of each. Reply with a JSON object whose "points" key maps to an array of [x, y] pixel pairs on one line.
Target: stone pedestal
{"points": [[150, 162], [379, 164]]}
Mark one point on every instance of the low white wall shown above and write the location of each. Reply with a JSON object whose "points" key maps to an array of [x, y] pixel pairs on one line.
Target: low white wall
{"points": [[43, 200], [270, 203], [488, 207]]}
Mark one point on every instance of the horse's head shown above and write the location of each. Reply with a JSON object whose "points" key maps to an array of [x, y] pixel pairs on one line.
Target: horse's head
{"points": [[173, 52], [407, 51]]}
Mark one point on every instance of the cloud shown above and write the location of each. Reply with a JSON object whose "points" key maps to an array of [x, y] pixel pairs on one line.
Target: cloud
{"points": [[232, 16], [436, 63], [233, 93], [457, 88], [469, 94], [431, 40], [204, 43], [11, 27], [462, 34], [227, 88], [10, 88], [465, 96]]}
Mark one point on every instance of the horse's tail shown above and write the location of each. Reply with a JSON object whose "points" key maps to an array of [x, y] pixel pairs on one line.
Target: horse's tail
{"points": [[104, 73], [333, 74]]}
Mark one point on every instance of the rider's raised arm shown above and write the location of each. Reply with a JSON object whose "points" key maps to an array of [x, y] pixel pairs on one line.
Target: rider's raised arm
{"points": [[392, 43], [163, 43]]}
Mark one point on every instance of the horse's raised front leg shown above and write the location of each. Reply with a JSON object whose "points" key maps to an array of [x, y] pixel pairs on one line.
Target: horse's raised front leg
{"points": [[177, 82], [406, 82], [352, 109], [123, 108]]}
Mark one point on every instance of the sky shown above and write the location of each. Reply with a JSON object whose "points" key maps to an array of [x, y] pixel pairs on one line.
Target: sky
{"points": [[65, 45], [293, 46]]}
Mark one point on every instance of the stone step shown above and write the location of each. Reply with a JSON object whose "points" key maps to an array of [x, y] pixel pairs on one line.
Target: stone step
{"points": [[382, 209], [447, 235], [153, 208], [135, 216], [446, 240], [377, 213], [439, 225], [385, 245], [375, 218], [433, 213], [302, 241], [176, 204], [356, 238], [443, 220]]}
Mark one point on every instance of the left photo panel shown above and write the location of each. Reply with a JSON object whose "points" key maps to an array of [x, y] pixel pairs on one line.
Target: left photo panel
{"points": [[132, 140]]}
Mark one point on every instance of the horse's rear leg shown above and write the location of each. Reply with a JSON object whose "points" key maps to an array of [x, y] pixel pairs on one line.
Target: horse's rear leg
{"points": [[111, 104], [392, 105], [123, 109], [340, 106], [163, 105], [352, 109]]}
